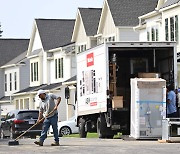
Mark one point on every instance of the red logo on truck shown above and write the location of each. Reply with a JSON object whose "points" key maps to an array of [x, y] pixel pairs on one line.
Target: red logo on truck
{"points": [[90, 59]]}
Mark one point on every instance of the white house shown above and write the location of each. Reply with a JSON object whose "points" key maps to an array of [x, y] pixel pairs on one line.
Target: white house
{"points": [[161, 24], [85, 28], [52, 61], [119, 17]]}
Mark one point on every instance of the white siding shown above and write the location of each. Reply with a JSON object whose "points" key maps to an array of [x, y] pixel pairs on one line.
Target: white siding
{"points": [[62, 106], [24, 75], [108, 28], [81, 35], [143, 35], [36, 42], [45, 70], [73, 67], [128, 34]]}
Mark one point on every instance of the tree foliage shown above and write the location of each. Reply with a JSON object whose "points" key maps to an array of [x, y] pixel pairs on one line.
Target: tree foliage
{"points": [[0, 30]]}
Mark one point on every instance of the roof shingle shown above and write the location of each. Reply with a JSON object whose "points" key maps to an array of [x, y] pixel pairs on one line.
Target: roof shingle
{"points": [[169, 3], [90, 17], [126, 12], [11, 48], [55, 33]]}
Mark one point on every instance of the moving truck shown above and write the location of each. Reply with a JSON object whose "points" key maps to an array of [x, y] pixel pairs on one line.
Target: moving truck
{"points": [[103, 82]]}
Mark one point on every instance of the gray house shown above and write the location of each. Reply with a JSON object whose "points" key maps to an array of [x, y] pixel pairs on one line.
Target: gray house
{"points": [[14, 70]]}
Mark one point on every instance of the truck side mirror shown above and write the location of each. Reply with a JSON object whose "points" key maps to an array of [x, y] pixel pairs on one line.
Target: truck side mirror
{"points": [[67, 95]]}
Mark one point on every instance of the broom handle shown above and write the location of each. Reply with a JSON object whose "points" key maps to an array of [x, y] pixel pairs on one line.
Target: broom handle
{"points": [[34, 125]]}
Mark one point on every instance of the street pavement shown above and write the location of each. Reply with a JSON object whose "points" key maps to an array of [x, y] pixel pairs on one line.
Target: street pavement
{"points": [[90, 146]]}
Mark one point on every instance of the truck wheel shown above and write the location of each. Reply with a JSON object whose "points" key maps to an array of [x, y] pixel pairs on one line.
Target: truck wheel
{"points": [[101, 126], [82, 131]]}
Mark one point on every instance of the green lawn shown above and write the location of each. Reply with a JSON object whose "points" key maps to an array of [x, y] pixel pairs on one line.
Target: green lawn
{"points": [[91, 135]]}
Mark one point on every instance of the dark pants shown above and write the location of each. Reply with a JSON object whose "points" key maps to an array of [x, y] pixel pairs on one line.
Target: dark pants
{"points": [[46, 124], [172, 115]]}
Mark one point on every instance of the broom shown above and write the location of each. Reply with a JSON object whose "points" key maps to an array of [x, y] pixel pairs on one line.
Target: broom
{"points": [[16, 142]]}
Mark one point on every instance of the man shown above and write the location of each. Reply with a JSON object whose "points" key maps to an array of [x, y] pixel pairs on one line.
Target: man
{"points": [[177, 101], [46, 105], [171, 102]]}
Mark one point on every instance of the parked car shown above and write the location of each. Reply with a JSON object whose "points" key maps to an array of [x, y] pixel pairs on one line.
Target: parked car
{"points": [[18, 121], [67, 127]]}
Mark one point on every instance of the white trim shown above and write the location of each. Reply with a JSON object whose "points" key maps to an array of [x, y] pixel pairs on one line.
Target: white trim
{"points": [[139, 27], [169, 7], [150, 14]]}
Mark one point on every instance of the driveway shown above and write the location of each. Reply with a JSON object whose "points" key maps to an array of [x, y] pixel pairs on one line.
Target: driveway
{"points": [[91, 146]]}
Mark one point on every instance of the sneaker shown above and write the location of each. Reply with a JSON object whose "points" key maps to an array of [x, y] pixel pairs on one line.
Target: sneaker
{"points": [[55, 144], [38, 143]]}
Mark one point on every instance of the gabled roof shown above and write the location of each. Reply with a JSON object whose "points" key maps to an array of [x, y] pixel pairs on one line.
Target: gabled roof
{"points": [[55, 33], [169, 3], [5, 99], [43, 86], [17, 59], [126, 12], [52, 86], [71, 79], [31, 89], [11, 48], [90, 18]]}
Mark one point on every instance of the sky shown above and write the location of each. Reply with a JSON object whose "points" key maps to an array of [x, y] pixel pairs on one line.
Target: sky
{"points": [[17, 16]]}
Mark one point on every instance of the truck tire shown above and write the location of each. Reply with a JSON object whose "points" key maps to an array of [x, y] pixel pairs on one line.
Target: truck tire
{"points": [[82, 131], [101, 126]]}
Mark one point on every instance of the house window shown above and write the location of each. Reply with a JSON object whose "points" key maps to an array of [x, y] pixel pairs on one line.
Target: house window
{"points": [[172, 28], [5, 82], [15, 81], [32, 76], [157, 35], [56, 70], [176, 28], [153, 34], [166, 30], [34, 71], [148, 36], [10, 81], [59, 73], [110, 39]]}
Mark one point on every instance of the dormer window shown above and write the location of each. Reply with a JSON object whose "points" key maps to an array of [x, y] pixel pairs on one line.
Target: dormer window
{"points": [[5, 82], [59, 73], [15, 81], [110, 39], [34, 71], [10, 81], [81, 48], [171, 28]]}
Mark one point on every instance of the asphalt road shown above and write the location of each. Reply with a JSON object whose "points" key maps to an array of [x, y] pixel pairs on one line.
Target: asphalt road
{"points": [[90, 146]]}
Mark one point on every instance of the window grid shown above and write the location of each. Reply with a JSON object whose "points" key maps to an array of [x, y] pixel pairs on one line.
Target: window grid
{"points": [[5, 82], [166, 30], [172, 28], [176, 28], [10, 81], [15, 81]]}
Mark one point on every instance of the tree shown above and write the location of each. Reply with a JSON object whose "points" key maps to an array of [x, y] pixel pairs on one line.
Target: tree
{"points": [[0, 30]]}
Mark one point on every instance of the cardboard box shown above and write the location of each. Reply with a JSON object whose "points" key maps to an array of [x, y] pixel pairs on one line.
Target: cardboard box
{"points": [[148, 75], [117, 102]]}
